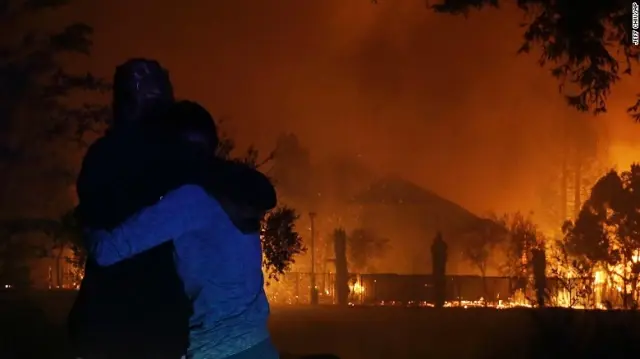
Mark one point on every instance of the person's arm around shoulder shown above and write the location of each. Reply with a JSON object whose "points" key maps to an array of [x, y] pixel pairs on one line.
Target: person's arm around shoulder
{"points": [[184, 209]]}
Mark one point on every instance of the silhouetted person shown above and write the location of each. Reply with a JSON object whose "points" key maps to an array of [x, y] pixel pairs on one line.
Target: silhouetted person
{"points": [[439, 262], [539, 263], [213, 218], [138, 308]]}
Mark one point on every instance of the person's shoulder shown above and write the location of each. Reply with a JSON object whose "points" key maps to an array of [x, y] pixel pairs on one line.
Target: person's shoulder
{"points": [[191, 194]]}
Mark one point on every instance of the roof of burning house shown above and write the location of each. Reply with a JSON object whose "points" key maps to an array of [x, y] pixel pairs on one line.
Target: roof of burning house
{"points": [[398, 192]]}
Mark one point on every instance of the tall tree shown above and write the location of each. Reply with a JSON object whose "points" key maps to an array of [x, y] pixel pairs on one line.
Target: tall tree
{"points": [[39, 111], [606, 234], [483, 239], [280, 241], [588, 45], [44, 117]]}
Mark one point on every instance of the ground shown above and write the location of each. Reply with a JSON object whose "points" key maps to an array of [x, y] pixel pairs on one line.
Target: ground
{"points": [[34, 328]]}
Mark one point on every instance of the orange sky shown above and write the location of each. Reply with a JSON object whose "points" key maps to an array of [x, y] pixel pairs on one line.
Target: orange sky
{"points": [[442, 101]]}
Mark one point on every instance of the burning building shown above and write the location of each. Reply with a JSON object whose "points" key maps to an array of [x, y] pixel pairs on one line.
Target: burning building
{"points": [[410, 216]]}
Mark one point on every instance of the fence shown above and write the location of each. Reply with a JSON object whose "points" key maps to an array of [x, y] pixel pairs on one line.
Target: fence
{"points": [[295, 288]]}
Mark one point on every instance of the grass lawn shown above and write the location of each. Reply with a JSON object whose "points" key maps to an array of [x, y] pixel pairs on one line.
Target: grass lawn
{"points": [[33, 327]]}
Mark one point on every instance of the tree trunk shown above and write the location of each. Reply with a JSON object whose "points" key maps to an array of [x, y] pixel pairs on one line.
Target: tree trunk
{"points": [[563, 185], [577, 186]]}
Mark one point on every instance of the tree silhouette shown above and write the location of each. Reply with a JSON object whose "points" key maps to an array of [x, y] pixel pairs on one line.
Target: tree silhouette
{"points": [[227, 148], [41, 107], [280, 241], [606, 234], [587, 45], [43, 118], [484, 237], [573, 274]]}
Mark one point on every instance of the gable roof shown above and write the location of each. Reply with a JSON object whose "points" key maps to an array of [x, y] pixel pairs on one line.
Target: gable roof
{"points": [[397, 192]]}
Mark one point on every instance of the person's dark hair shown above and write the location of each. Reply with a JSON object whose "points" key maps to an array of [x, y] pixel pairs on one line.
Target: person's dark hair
{"points": [[193, 125], [141, 90]]}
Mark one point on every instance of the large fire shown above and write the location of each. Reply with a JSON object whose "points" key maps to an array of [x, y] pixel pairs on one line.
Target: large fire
{"points": [[607, 283]]}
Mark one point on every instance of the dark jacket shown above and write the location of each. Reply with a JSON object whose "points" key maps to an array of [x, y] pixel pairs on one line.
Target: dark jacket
{"points": [[138, 308]]}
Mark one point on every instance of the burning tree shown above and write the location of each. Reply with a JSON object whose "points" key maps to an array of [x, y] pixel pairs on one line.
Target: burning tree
{"points": [[573, 275], [523, 237], [606, 234]]}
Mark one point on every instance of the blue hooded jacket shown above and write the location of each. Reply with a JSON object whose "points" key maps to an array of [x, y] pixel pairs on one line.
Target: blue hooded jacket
{"points": [[219, 264]]}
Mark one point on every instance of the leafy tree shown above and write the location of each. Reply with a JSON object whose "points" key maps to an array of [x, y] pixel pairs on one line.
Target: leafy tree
{"points": [[280, 241], [574, 276], [43, 118], [37, 113], [588, 45], [484, 237], [364, 246], [606, 234]]}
